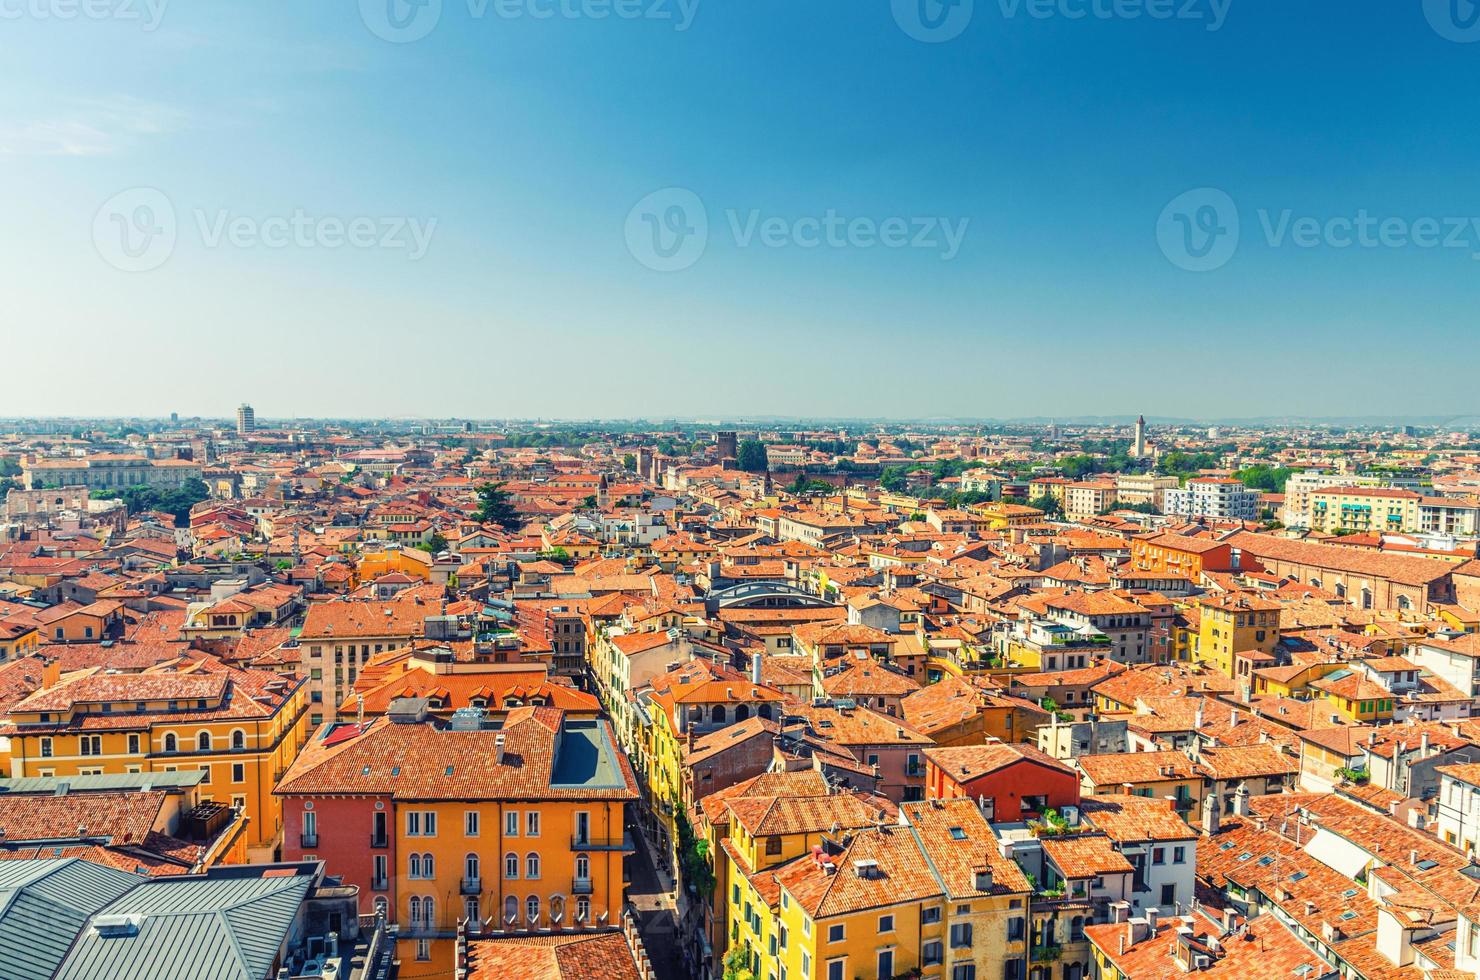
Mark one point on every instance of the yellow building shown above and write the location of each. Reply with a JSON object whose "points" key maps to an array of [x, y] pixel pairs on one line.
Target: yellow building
{"points": [[1354, 697], [242, 728], [1371, 510], [1000, 515], [408, 561], [515, 829], [929, 893], [1233, 623], [17, 641]]}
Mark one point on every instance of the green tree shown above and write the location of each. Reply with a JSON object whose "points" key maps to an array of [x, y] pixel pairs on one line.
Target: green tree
{"points": [[589, 501], [495, 507], [629, 463], [1048, 504], [751, 456], [436, 544], [176, 502]]}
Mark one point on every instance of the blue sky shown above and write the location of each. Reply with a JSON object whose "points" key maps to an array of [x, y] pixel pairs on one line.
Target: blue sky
{"points": [[498, 166]]}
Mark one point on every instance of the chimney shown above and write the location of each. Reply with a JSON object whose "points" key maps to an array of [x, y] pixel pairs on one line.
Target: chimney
{"points": [[1241, 800], [755, 668], [1232, 719], [1423, 745], [1210, 815], [498, 749], [1197, 718]]}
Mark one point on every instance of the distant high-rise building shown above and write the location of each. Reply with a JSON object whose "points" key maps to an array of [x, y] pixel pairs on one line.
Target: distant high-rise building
{"points": [[174, 417], [246, 419], [1138, 448]]}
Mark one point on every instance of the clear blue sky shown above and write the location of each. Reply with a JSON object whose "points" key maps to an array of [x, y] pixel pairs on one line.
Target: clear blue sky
{"points": [[1058, 141]]}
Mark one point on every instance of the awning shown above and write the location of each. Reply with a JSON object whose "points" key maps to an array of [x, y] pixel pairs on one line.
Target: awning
{"points": [[1338, 854]]}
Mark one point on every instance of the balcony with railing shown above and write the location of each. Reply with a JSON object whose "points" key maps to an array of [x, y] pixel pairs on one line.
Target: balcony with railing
{"points": [[587, 842], [472, 886], [308, 839], [581, 886], [379, 884], [379, 841]]}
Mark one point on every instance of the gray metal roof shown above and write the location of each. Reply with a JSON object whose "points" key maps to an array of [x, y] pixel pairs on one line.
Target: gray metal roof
{"points": [[227, 927], [43, 904], [183, 778]]}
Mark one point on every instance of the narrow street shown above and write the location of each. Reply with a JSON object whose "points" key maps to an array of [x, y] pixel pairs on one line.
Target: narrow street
{"points": [[656, 917]]}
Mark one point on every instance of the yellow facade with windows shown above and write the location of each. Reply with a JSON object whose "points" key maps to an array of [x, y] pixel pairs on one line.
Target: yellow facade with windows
{"points": [[243, 737]]}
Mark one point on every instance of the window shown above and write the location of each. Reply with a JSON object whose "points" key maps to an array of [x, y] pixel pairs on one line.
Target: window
{"points": [[1014, 929], [773, 845], [238, 739], [930, 916], [414, 906], [470, 911], [532, 865], [133, 744], [961, 935], [413, 870], [532, 823], [836, 969], [932, 953], [835, 933], [532, 908], [583, 871], [1168, 895], [886, 962], [1179, 855], [583, 909], [1158, 855], [423, 946], [470, 867], [511, 865], [203, 742], [170, 744], [46, 749], [967, 971], [205, 775], [886, 923], [511, 823], [238, 772], [470, 823]]}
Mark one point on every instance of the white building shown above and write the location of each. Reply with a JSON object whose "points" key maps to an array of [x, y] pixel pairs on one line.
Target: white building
{"points": [[1218, 497]]}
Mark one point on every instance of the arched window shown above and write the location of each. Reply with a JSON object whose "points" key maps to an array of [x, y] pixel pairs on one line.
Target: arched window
{"points": [[428, 912], [415, 907], [170, 745], [532, 865], [238, 739], [470, 866], [583, 910], [583, 867], [470, 911], [511, 865], [511, 909], [1341, 590], [1366, 598], [427, 870], [413, 868], [742, 712], [1076, 928], [532, 909], [203, 741], [1404, 602], [717, 714]]}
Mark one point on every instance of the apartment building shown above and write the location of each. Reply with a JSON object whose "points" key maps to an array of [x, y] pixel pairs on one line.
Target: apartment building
{"points": [[1220, 498], [106, 471], [1363, 510], [1144, 488], [1086, 498], [518, 829], [338, 637], [241, 728]]}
